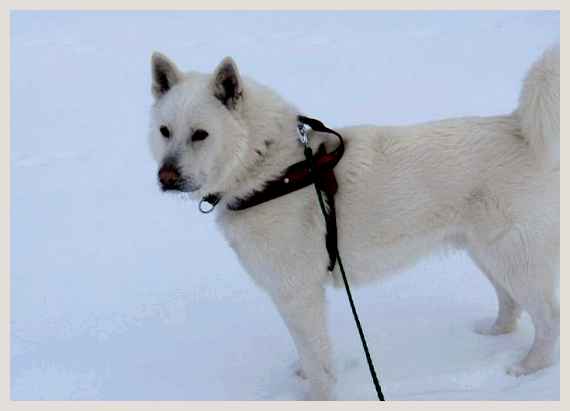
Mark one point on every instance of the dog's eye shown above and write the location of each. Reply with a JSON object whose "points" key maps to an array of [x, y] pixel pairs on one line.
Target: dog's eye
{"points": [[165, 131], [199, 135]]}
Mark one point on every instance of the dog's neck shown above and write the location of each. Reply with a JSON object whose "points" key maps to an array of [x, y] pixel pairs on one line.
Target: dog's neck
{"points": [[271, 146], [266, 162]]}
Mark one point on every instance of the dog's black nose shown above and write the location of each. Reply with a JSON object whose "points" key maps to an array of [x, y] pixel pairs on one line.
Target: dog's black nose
{"points": [[169, 177]]}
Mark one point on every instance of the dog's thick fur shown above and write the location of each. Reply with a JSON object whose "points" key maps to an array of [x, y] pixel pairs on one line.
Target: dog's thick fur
{"points": [[487, 185]]}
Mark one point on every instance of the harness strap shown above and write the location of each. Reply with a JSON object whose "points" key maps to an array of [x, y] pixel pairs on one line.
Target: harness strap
{"points": [[295, 177], [332, 242]]}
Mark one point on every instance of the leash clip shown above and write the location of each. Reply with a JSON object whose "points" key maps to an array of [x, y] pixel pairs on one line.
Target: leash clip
{"points": [[303, 131]]}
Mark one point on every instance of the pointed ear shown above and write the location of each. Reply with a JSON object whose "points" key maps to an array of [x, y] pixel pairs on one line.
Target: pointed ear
{"points": [[226, 83], [165, 74]]}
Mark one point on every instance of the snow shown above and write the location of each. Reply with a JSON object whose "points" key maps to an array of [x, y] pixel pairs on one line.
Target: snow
{"points": [[120, 292]]}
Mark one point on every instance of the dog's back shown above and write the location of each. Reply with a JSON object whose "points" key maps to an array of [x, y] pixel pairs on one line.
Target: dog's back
{"points": [[454, 179]]}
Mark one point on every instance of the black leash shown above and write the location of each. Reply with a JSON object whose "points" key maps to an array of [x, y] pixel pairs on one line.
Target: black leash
{"points": [[330, 219]]}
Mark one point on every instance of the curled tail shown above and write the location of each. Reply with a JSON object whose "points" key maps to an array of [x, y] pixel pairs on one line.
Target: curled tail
{"points": [[539, 108]]}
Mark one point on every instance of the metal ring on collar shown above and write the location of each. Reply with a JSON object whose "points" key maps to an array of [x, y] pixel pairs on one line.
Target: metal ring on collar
{"points": [[210, 199]]}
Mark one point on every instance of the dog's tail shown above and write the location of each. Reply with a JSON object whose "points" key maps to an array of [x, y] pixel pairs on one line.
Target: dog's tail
{"points": [[539, 108]]}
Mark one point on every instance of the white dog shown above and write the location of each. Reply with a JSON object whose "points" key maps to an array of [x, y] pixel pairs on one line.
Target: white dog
{"points": [[487, 185]]}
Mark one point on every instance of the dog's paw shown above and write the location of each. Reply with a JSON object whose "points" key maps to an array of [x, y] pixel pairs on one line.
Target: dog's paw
{"points": [[487, 327], [319, 396], [518, 370], [521, 369], [298, 370], [300, 373]]}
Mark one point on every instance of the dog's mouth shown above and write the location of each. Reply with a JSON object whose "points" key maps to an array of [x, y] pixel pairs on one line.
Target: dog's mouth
{"points": [[180, 185]]}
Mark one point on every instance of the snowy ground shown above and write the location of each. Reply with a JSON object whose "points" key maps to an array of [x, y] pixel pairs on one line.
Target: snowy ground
{"points": [[122, 293]]}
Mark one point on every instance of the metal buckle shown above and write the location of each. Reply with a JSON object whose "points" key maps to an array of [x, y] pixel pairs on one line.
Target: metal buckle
{"points": [[303, 131]]}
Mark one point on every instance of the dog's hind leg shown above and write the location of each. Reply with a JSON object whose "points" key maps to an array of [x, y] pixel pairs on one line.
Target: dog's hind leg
{"points": [[525, 264], [509, 309], [304, 315]]}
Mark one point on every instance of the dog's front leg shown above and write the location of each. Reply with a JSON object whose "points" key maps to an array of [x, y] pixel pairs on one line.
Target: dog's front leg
{"points": [[304, 313]]}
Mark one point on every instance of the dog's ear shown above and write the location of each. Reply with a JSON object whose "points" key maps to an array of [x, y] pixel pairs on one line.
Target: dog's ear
{"points": [[226, 83], [165, 74]]}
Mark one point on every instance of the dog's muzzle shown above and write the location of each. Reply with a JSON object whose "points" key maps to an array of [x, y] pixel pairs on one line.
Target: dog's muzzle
{"points": [[171, 180]]}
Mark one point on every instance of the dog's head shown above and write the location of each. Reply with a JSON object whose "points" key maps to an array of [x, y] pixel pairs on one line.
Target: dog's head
{"points": [[218, 132], [197, 130]]}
